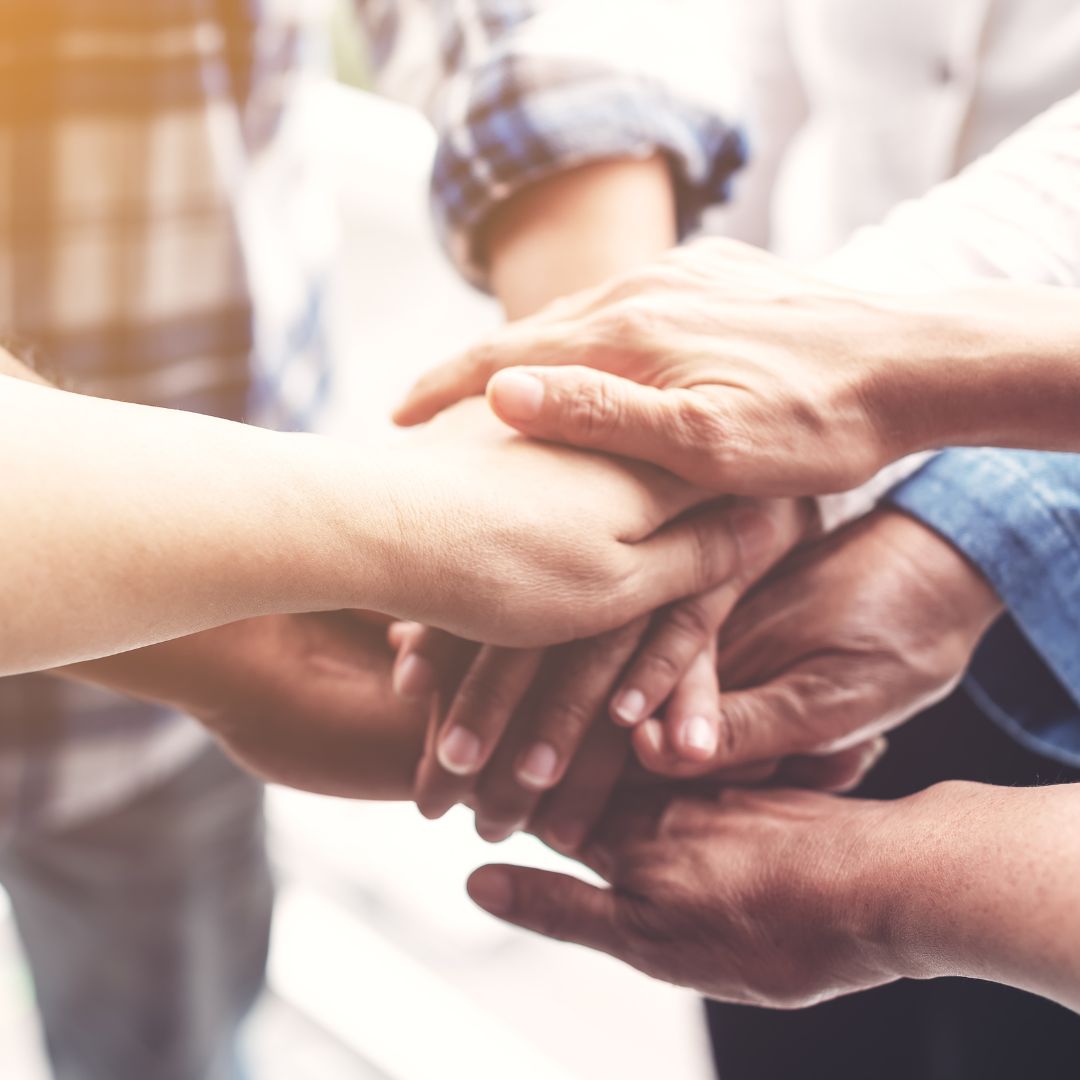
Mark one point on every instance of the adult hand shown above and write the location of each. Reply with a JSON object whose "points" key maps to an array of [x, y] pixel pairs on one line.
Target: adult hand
{"points": [[635, 668], [788, 898], [758, 897], [301, 700], [504, 540], [848, 639], [730, 367]]}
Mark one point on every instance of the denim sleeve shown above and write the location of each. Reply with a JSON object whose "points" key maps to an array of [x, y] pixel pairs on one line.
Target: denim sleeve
{"points": [[1016, 515]]}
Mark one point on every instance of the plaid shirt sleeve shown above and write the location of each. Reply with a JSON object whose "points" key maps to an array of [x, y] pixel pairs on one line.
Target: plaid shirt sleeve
{"points": [[522, 89]]}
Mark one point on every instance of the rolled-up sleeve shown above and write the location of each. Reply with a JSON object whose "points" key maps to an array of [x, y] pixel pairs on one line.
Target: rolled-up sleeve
{"points": [[528, 89], [1016, 515]]}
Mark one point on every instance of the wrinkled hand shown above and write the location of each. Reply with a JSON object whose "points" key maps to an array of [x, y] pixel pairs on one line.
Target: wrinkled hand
{"points": [[730, 367], [508, 541], [848, 639], [757, 897]]}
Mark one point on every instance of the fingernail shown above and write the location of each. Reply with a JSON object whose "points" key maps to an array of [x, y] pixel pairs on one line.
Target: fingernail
{"points": [[491, 890], [459, 751], [516, 395], [699, 736], [755, 534], [414, 678], [539, 766], [629, 707]]}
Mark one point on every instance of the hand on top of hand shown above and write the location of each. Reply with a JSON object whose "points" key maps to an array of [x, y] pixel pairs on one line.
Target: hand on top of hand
{"points": [[732, 368], [504, 540], [849, 638]]}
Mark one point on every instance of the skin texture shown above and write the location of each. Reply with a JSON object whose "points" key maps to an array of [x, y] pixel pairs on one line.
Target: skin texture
{"points": [[465, 524], [749, 375], [515, 721], [788, 898], [525, 734], [848, 639]]}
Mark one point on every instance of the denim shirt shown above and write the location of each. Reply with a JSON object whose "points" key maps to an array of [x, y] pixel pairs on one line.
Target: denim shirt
{"points": [[1016, 515]]}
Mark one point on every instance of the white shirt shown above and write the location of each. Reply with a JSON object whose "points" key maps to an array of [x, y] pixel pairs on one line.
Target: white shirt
{"points": [[854, 106], [861, 113]]}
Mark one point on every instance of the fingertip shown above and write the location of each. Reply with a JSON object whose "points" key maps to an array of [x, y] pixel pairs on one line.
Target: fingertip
{"points": [[629, 707], [414, 677], [648, 741], [515, 396], [460, 752], [492, 889], [538, 767], [696, 738]]}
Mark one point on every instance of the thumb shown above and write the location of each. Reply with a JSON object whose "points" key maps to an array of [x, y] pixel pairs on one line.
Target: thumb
{"points": [[555, 905], [595, 410], [763, 724]]}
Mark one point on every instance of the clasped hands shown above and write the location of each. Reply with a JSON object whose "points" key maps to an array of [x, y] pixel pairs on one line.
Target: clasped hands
{"points": [[819, 650]]}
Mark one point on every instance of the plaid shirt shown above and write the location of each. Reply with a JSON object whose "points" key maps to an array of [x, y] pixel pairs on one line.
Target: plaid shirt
{"points": [[126, 153]]}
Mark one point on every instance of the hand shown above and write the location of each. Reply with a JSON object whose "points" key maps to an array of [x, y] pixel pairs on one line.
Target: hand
{"points": [[507, 541], [732, 368], [788, 898], [758, 897], [848, 639], [642, 678], [302, 700]]}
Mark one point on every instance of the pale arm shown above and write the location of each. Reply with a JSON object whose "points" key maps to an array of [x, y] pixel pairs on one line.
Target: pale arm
{"points": [[127, 525]]}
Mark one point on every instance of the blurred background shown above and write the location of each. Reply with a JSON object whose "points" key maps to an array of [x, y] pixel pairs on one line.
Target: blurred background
{"points": [[380, 965]]}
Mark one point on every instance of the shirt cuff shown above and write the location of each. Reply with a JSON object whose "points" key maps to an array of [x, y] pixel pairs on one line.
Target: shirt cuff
{"points": [[1016, 516], [527, 120]]}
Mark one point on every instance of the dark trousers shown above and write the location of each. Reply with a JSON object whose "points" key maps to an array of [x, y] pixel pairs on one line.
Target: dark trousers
{"points": [[946, 1029]]}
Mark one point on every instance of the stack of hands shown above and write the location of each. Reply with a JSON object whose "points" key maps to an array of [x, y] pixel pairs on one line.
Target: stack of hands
{"points": [[688, 670], [692, 757]]}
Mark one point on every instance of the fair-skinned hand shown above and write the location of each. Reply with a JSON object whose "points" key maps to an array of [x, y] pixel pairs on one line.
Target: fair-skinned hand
{"points": [[637, 669], [736, 370], [849, 638], [784, 898], [503, 540]]}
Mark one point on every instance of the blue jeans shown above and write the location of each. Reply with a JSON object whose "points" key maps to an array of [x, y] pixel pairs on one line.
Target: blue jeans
{"points": [[147, 929]]}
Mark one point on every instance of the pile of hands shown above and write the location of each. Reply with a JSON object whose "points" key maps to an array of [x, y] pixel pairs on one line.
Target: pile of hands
{"points": [[693, 756], [689, 670]]}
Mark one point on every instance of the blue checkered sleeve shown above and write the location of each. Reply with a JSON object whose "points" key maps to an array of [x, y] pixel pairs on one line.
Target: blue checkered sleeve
{"points": [[528, 89]]}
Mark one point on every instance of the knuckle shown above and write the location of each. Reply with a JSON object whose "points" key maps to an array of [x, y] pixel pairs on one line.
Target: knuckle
{"points": [[700, 426], [480, 698], [565, 719], [689, 622], [661, 665], [592, 410], [731, 729], [629, 320]]}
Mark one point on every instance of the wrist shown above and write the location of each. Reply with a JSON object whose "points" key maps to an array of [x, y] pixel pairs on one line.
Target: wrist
{"points": [[338, 548], [992, 365], [576, 229]]}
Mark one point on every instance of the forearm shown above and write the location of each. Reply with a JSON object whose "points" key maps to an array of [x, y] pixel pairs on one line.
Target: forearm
{"points": [[139, 525], [576, 229], [994, 365], [984, 882]]}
